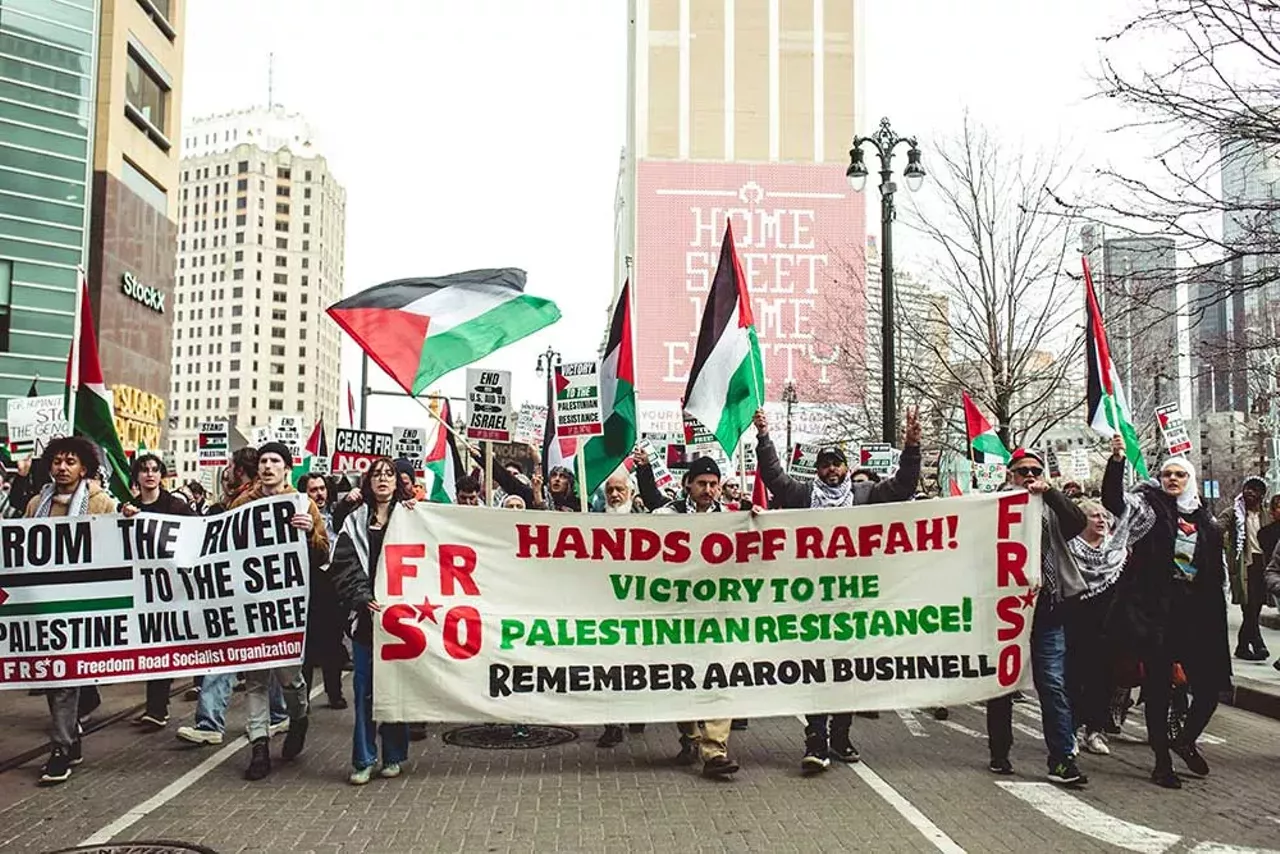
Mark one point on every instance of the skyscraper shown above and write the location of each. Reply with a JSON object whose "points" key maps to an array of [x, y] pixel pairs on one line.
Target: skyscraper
{"points": [[260, 257], [742, 112]]}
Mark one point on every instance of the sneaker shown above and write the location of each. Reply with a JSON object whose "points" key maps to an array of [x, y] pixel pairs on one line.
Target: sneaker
{"points": [[57, 769], [151, 722], [1194, 761], [941, 713], [1003, 767], [390, 769], [337, 703], [815, 759], [1066, 773], [259, 760], [277, 727], [360, 776], [520, 731], [295, 739], [195, 735], [1096, 743], [1165, 778], [688, 754], [611, 737], [1261, 650], [1247, 652], [844, 751], [719, 766], [76, 754]]}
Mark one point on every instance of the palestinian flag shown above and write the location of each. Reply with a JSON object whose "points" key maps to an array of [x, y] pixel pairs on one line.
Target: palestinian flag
{"points": [[88, 403], [1108, 410], [726, 382], [418, 330], [557, 451], [443, 462], [316, 448], [603, 454], [982, 438], [66, 591]]}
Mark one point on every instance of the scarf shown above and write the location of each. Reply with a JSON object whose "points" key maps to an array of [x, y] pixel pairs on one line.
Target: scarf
{"points": [[1242, 512], [824, 495], [1100, 567], [77, 502]]}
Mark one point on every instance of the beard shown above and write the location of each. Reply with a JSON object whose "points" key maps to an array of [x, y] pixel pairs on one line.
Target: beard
{"points": [[618, 510]]}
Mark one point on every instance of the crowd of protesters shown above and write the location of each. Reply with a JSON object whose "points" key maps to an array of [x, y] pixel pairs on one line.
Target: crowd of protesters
{"points": [[1133, 596]]}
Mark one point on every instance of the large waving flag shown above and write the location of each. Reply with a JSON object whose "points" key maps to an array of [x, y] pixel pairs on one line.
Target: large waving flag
{"points": [[418, 330], [443, 462], [1108, 410], [88, 402], [726, 382], [603, 454], [982, 437], [557, 451]]}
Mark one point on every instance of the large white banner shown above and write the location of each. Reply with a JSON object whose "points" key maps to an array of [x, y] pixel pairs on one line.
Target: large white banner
{"points": [[499, 615], [99, 599]]}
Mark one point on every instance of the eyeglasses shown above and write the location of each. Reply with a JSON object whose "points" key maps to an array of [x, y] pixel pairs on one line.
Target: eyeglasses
{"points": [[1028, 471], [382, 473], [1176, 474]]}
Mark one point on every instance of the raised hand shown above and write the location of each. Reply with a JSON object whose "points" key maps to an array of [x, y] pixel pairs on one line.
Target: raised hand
{"points": [[1117, 447], [761, 420], [913, 432]]}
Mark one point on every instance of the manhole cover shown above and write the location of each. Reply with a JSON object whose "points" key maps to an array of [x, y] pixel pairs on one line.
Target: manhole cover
{"points": [[139, 847], [504, 737]]}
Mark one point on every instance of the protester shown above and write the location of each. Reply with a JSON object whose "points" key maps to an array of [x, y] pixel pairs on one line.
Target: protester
{"points": [[832, 488], [467, 490], [1061, 521], [72, 463], [274, 462], [196, 490], [1246, 561], [619, 499], [356, 558], [145, 476], [325, 620], [1170, 605]]}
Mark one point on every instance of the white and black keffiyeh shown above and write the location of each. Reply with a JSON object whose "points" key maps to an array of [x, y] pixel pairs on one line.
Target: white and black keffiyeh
{"points": [[825, 496], [77, 502]]}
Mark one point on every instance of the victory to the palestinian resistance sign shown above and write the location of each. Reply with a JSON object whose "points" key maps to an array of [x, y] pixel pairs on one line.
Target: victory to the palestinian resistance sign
{"points": [[97, 599], [559, 618]]}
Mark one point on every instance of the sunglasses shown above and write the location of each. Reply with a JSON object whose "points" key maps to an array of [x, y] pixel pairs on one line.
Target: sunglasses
{"points": [[1175, 474], [1028, 471]]}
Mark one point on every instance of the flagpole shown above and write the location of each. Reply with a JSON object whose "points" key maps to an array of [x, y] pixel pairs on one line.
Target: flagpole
{"points": [[445, 424], [488, 473], [581, 460], [73, 367]]}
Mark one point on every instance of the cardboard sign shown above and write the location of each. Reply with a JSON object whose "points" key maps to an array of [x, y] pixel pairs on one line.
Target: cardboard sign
{"points": [[410, 443], [877, 457], [531, 424], [489, 415], [748, 457], [662, 475], [578, 400], [354, 450], [37, 420], [804, 461], [261, 436], [213, 444], [1078, 467], [1176, 437], [697, 434], [989, 476], [287, 429], [319, 465]]}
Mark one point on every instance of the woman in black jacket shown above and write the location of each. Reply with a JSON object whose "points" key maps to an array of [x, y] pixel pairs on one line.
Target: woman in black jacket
{"points": [[1169, 603], [355, 566]]}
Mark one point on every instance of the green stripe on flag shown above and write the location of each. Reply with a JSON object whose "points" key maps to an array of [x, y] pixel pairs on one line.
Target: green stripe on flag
{"points": [[745, 396], [29, 609], [476, 338]]}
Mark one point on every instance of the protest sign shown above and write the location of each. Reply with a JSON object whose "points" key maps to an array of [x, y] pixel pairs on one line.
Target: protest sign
{"points": [[748, 453], [697, 434], [354, 450], [877, 457], [1176, 437], [1078, 464], [410, 443], [662, 475], [495, 616], [989, 476], [489, 415], [578, 400], [37, 420], [214, 444], [287, 429], [804, 461], [531, 424], [261, 435], [97, 599]]}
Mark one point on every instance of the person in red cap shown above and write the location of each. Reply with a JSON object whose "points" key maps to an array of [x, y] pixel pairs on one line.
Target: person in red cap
{"points": [[1061, 521]]}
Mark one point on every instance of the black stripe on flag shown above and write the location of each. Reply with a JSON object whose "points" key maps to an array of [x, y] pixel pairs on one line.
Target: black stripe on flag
{"points": [[718, 312], [67, 576], [401, 292]]}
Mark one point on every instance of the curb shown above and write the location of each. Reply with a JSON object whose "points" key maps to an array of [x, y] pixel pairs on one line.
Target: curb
{"points": [[1257, 697]]}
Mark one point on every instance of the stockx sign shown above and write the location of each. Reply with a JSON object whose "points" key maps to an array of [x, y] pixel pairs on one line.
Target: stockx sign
{"points": [[145, 294]]}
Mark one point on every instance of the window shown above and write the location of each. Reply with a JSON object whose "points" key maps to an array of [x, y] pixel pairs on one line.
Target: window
{"points": [[279, 296], [277, 369], [282, 208], [239, 256], [241, 222], [306, 193], [233, 365], [235, 345], [239, 234], [306, 263], [277, 332], [302, 388], [306, 210], [242, 167], [241, 203], [275, 405], [279, 314], [242, 185], [308, 175], [235, 330], [283, 173], [237, 274], [280, 279], [276, 387], [282, 225], [277, 349], [283, 261], [146, 97], [282, 189], [236, 310], [282, 243], [306, 228]]}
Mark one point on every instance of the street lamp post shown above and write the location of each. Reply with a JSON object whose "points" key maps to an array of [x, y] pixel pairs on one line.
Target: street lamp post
{"points": [[885, 141], [790, 397]]}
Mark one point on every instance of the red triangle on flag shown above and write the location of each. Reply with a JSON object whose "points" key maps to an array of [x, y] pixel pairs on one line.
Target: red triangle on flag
{"points": [[562, 383], [393, 338]]}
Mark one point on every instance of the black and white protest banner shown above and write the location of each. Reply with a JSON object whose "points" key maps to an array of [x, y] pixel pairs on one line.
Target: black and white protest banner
{"points": [[578, 400], [410, 443], [288, 430], [876, 456], [99, 599], [489, 414], [36, 421], [213, 444], [354, 450], [1176, 437]]}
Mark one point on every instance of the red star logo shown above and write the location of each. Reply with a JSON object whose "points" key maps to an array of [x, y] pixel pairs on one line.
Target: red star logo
{"points": [[1029, 598], [426, 611]]}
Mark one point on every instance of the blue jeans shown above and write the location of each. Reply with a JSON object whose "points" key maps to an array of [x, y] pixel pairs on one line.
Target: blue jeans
{"points": [[1049, 669], [364, 744], [215, 694]]}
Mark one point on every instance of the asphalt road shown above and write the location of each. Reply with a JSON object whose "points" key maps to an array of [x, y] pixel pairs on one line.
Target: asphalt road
{"points": [[923, 786]]}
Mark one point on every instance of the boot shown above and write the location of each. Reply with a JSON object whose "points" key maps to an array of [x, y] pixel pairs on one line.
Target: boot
{"points": [[259, 760]]}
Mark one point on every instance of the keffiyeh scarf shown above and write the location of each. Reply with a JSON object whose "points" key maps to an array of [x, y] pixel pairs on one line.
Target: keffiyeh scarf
{"points": [[824, 496], [77, 502]]}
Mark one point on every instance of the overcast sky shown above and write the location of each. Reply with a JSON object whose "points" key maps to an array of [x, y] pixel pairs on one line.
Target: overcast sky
{"points": [[488, 132]]}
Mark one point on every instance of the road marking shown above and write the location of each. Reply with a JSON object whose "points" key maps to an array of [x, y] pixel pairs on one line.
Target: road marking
{"points": [[961, 728], [907, 810], [913, 726], [1219, 848], [1071, 812], [1027, 712], [1205, 738], [131, 817], [1026, 730]]}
